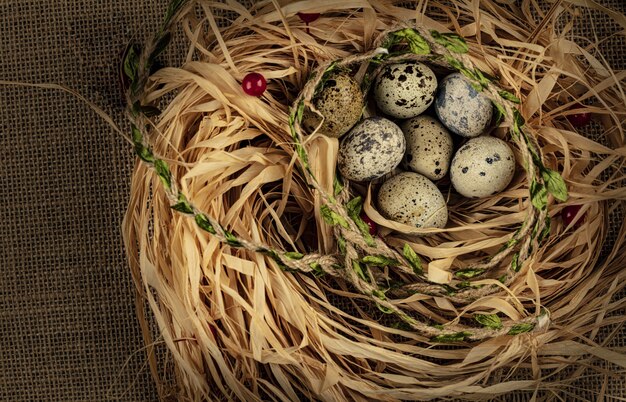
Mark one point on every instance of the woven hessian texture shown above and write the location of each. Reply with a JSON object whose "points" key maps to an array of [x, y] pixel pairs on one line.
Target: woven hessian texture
{"points": [[67, 317]]}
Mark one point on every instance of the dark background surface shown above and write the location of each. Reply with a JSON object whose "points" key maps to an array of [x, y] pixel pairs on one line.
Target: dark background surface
{"points": [[67, 315], [67, 320]]}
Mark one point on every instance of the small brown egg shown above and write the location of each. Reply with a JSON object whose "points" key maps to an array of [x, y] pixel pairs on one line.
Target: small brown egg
{"points": [[341, 104]]}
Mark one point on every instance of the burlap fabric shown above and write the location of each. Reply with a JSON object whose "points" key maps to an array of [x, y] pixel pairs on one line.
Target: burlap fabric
{"points": [[67, 319]]}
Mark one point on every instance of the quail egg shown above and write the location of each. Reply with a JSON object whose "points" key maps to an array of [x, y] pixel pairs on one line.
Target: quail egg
{"points": [[483, 166], [462, 109], [341, 104], [373, 148], [412, 199], [428, 146], [405, 90]]}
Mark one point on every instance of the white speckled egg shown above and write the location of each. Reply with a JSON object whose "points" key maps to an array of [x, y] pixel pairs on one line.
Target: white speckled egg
{"points": [[341, 104], [483, 166], [405, 90], [412, 199], [373, 148], [428, 146], [462, 109]]}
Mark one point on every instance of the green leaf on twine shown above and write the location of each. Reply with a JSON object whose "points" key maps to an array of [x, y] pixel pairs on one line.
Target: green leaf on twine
{"points": [[356, 266], [450, 290], [136, 134], [538, 195], [489, 320], [182, 205], [477, 87], [417, 44], [555, 184], [300, 112], [471, 75], [545, 232], [521, 328], [413, 259], [468, 273], [515, 263], [454, 63], [164, 172], [509, 96], [380, 294], [274, 255], [332, 218], [131, 62], [354, 207], [456, 337], [502, 278], [292, 127], [317, 269], [468, 284], [518, 118], [380, 261], [204, 223], [384, 309], [512, 242], [144, 153], [474, 79], [337, 185], [302, 154], [294, 255], [500, 112], [341, 245], [518, 123], [450, 41], [232, 240], [533, 234], [483, 78]]}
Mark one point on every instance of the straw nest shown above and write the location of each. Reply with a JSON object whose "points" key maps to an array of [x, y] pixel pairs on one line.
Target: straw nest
{"points": [[255, 265]]}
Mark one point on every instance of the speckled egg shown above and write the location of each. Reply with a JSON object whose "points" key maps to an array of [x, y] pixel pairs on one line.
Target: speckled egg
{"points": [[483, 166], [405, 90], [462, 109], [341, 104], [428, 147], [412, 199], [373, 148]]}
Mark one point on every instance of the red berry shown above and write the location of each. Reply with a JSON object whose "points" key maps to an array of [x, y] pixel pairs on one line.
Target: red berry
{"points": [[579, 119], [254, 84], [569, 213], [370, 223], [308, 17]]}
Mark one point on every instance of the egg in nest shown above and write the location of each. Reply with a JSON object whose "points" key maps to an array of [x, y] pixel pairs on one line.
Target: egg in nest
{"points": [[412, 199], [373, 148], [340, 102], [405, 90], [461, 108], [482, 167], [429, 146]]}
